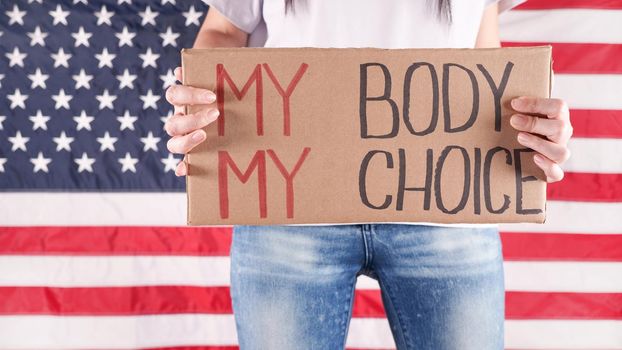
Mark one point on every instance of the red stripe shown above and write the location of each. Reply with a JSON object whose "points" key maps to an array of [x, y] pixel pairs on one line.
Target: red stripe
{"points": [[111, 240], [574, 58], [578, 4], [214, 241], [561, 246], [216, 300], [587, 187], [596, 123]]}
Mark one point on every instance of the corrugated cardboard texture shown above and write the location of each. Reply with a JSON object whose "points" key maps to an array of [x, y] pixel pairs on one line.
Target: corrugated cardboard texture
{"points": [[449, 156]]}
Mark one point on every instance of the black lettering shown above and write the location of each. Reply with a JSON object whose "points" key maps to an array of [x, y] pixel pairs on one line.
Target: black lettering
{"points": [[363, 174], [487, 166], [407, 82], [437, 179], [384, 97], [519, 183], [475, 105], [401, 188], [497, 91]]}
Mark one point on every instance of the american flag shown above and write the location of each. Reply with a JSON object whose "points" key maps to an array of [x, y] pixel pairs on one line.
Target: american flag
{"points": [[93, 249]]}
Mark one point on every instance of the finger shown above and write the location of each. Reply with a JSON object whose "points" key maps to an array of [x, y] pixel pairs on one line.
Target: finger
{"points": [[188, 95], [556, 130], [179, 109], [185, 143], [554, 151], [181, 169], [551, 169], [178, 74], [551, 107], [182, 124]]}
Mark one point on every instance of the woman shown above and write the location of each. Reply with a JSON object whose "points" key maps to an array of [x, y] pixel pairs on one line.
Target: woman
{"points": [[292, 287]]}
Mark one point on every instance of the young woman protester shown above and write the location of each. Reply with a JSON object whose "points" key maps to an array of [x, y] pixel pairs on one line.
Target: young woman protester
{"points": [[292, 287]]}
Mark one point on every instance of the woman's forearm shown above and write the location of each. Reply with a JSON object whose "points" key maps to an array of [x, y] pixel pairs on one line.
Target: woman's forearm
{"points": [[208, 38]]}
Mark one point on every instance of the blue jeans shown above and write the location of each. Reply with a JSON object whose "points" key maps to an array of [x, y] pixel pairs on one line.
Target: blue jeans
{"points": [[292, 287]]}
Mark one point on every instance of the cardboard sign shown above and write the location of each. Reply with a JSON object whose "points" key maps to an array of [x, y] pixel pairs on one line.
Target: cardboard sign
{"points": [[361, 135]]}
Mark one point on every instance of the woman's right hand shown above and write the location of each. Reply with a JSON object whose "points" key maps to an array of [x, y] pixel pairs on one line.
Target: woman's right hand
{"points": [[186, 130]]}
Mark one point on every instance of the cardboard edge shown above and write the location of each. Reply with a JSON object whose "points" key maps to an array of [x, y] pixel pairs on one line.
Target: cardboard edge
{"points": [[551, 73], [183, 53]]}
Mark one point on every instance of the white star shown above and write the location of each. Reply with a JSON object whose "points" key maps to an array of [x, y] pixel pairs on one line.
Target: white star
{"points": [[150, 142], [127, 121], [63, 142], [192, 16], [81, 1], [119, 2], [84, 163], [38, 1], [125, 37], [106, 142], [84, 121], [37, 37], [165, 118], [59, 15], [16, 58], [105, 58], [62, 100], [148, 16], [149, 58], [82, 80], [61, 58], [165, 1], [38, 79], [170, 163], [17, 99], [128, 163], [168, 79], [40, 163], [150, 100], [2, 119], [18, 141], [126, 80], [81, 37], [16, 16], [39, 121], [103, 16], [169, 38], [1, 77], [106, 100], [2, 161]]}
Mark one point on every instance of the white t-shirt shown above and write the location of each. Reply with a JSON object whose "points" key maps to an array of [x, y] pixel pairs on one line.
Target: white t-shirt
{"points": [[386, 24]]}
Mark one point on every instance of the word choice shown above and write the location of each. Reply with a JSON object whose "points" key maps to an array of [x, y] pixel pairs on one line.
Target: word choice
{"points": [[474, 173]]}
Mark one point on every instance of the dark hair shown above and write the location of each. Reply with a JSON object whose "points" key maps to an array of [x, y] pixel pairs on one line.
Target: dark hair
{"points": [[442, 8]]}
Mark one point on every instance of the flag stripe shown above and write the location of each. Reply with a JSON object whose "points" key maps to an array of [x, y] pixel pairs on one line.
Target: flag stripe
{"points": [[149, 331], [596, 123], [583, 157], [600, 26], [555, 246], [213, 241], [567, 4], [126, 209], [587, 187], [125, 271], [585, 91], [595, 58], [110, 301]]}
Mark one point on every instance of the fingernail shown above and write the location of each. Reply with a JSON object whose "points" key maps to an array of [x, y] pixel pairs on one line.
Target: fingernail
{"points": [[538, 159], [518, 120], [516, 102], [197, 136], [209, 97], [213, 114], [522, 138]]}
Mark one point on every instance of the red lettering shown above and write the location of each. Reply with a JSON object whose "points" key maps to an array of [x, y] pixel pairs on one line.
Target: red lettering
{"points": [[289, 177], [287, 93], [225, 161], [221, 76]]}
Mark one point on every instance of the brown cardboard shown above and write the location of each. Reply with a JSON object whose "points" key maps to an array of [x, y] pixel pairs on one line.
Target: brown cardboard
{"points": [[327, 109]]}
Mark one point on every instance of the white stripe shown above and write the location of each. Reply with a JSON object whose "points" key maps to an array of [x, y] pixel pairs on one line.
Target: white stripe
{"points": [[563, 25], [123, 209], [575, 217], [107, 271], [591, 155], [144, 331], [589, 91]]}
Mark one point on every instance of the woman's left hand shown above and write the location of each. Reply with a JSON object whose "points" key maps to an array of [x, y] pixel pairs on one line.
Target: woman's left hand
{"points": [[552, 150]]}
